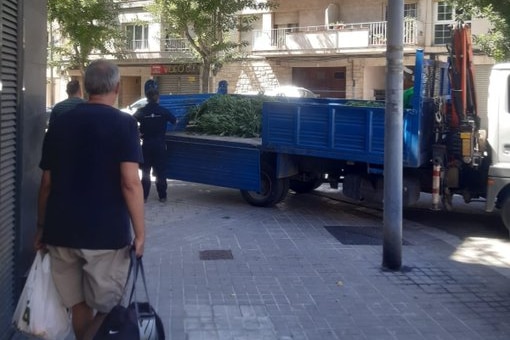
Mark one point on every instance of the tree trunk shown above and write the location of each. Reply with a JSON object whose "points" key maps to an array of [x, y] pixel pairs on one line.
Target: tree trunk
{"points": [[206, 72]]}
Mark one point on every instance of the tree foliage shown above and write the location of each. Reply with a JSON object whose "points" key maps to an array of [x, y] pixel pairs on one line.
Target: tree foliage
{"points": [[495, 43], [84, 26], [207, 26]]}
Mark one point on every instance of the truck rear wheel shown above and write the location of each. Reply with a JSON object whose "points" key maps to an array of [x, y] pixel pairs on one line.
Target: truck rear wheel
{"points": [[284, 189], [273, 190]]}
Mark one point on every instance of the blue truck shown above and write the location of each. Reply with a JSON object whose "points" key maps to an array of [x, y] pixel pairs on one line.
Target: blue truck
{"points": [[307, 142]]}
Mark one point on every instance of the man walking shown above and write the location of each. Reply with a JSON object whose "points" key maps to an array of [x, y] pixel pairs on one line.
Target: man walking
{"points": [[90, 195], [74, 97], [153, 120]]}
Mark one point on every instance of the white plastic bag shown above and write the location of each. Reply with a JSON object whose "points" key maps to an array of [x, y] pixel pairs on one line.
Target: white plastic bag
{"points": [[40, 311]]}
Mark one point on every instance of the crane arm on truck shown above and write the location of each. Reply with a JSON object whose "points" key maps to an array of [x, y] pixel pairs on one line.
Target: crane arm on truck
{"points": [[461, 154], [464, 122], [461, 76]]}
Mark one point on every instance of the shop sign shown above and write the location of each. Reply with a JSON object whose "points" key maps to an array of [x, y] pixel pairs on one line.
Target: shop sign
{"points": [[159, 69]]}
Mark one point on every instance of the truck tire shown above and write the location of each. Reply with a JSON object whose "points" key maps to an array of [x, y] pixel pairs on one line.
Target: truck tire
{"points": [[301, 187], [273, 190], [284, 190], [505, 213]]}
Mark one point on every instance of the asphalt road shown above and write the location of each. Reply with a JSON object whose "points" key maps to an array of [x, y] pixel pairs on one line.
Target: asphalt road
{"points": [[465, 220]]}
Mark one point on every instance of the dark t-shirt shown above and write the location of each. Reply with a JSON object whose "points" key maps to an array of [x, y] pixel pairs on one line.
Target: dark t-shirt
{"points": [[64, 106], [153, 120], [83, 150]]}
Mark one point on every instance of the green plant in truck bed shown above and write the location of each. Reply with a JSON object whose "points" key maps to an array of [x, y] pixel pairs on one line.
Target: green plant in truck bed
{"points": [[228, 115]]}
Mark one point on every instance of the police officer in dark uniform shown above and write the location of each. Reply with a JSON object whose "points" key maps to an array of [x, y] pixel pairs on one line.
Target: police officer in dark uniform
{"points": [[153, 120]]}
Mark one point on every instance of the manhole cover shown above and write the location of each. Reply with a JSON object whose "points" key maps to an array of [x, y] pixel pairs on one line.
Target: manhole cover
{"points": [[356, 235], [216, 255]]}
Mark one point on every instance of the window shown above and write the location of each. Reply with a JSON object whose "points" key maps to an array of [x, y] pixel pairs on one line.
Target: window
{"points": [[444, 11], [379, 94], [137, 37], [444, 19], [410, 10]]}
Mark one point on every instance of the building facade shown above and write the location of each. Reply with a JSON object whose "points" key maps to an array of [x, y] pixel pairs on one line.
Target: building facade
{"points": [[337, 48], [334, 48]]}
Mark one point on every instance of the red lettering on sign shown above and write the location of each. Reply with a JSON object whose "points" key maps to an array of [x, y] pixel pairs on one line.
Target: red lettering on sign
{"points": [[158, 69], [174, 69]]}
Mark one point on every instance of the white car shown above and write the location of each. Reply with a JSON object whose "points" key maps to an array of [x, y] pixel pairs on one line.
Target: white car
{"points": [[131, 108], [291, 91]]}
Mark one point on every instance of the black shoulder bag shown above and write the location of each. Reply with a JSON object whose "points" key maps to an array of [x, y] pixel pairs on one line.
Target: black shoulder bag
{"points": [[137, 321]]}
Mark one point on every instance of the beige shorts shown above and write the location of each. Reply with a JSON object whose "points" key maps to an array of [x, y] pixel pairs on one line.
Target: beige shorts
{"points": [[97, 277]]}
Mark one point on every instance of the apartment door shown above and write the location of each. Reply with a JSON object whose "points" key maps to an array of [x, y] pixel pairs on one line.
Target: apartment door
{"points": [[328, 82]]}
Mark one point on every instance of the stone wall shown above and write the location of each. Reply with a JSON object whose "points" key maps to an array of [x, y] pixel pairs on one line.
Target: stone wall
{"points": [[253, 76]]}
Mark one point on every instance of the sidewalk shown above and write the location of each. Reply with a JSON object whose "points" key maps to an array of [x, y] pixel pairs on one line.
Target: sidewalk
{"points": [[219, 268]]}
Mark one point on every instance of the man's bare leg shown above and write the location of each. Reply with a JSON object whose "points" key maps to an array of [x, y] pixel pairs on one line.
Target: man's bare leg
{"points": [[94, 326], [82, 316]]}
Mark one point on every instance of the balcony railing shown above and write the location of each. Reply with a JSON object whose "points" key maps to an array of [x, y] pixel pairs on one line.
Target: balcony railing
{"points": [[309, 39], [176, 45], [331, 37], [180, 45], [169, 48]]}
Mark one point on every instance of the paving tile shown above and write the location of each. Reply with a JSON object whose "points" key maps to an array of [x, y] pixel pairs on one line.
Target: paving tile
{"points": [[290, 279]]}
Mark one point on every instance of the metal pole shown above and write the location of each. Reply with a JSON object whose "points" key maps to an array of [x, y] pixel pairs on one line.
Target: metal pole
{"points": [[393, 138], [436, 186], [52, 79]]}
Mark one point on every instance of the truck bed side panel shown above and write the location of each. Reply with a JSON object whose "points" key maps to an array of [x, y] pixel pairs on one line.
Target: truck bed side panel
{"points": [[336, 131], [179, 104], [225, 162]]}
